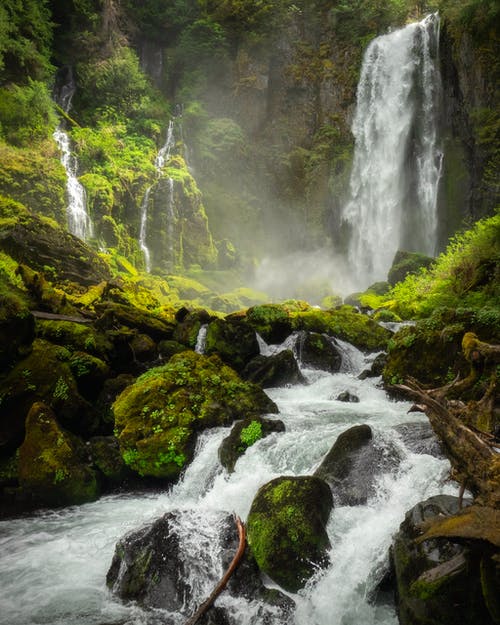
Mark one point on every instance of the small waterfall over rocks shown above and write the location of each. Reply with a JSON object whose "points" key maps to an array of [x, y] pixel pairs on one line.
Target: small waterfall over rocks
{"points": [[160, 161], [397, 159], [79, 222]]}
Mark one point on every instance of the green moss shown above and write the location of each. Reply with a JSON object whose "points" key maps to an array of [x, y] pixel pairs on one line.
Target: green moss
{"points": [[158, 416], [286, 528], [251, 434]]}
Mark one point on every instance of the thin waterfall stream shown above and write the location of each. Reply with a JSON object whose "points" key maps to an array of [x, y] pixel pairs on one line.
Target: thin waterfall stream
{"points": [[54, 563], [79, 222]]}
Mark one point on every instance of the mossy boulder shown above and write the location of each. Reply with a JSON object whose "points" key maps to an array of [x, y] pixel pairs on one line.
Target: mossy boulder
{"points": [[54, 464], [113, 315], [351, 466], [406, 263], [438, 580], [271, 321], [319, 352], [287, 529], [233, 340], [39, 243], [45, 375], [279, 369], [108, 462], [17, 325], [243, 435], [90, 374], [346, 324], [74, 336], [158, 417], [429, 353], [188, 327]]}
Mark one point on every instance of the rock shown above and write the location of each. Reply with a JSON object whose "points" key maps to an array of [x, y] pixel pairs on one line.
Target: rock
{"points": [[376, 369], [167, 349], [113, 314], [149, 567], [271, 321], [188, 327], [40, 243], [419, 438], [353, 463], [346, 324], [144, 348], [348, 397], [90, 373], [45, 375], [406, 263], [280, 369], [286, 529], [54, 467], [439, 580], [106, 458], [319, 352], [233, 341], [17, 326], [158, 417], [243, 435]]}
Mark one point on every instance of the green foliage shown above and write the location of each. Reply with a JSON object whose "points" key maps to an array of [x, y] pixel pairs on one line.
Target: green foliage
{"points": [[251, 434], [25, 40], [465, 275], [61, 389], [27, 113], [478, 16]]}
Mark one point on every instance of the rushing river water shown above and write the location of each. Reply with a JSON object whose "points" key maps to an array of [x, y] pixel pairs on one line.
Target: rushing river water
{"points": [[53, 564]]}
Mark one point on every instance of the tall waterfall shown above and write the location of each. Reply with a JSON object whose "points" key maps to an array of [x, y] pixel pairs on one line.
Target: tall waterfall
{"points": [[79, 222], [397, 158], [160, 161]]}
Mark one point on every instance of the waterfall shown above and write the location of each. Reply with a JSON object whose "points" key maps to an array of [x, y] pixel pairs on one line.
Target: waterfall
{"points": [[397, 159], [79, 222], [161, 159]]}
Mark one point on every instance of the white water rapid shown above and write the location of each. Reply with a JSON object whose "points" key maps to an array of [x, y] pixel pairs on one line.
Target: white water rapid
{"points": [[397, 157], [54, 564], [160, 161], [79, 222]]}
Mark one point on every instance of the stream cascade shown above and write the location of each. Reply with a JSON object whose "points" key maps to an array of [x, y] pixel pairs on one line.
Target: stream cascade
{"points": [[54, 563]]}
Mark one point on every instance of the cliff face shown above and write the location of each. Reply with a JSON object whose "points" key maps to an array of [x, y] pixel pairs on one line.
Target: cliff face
{"points": [[263, 96]]}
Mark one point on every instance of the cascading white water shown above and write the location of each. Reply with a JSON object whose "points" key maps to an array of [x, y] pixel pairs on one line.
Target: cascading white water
{"points": [[79, 222], [397, 158], [54, 564], [161, 159]]}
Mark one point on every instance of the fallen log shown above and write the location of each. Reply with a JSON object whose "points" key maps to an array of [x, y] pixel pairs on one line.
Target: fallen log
{"points": [[223, 582], [39, 314]]}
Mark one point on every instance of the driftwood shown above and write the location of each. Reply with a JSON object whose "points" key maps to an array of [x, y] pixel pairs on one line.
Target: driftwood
{"points": [[38, 314], [223, 582], [473, 451]]}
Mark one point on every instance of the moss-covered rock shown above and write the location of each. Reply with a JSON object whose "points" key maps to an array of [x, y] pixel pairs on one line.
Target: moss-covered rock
{"points": [[406, 263], [346, 324], [90, 374], [113, 315], [438, 581], [188, 327], [157, 418], [286, 529], [40, 243], [74, 336], [243, 435], [53, 464], [319, 352], [17, 324], [271, 321], [233, 340], [45, 375], [277, 370], [108, 462]]}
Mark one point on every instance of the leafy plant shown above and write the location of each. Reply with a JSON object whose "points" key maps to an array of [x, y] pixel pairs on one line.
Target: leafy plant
{"points": [[251, 434]]}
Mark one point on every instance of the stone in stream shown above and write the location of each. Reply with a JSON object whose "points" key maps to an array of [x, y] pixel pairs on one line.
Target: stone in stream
{"points": [[280, 369], [353, 463], [150, 568]]}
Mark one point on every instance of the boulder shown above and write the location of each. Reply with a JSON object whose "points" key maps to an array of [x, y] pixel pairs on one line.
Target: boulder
{"points": [[318, 351], [439, 580], [158, 417], [280, 369], [271, 321], [108, 462], [233, 341], [287, 529], [376, 368], [419, 438], [352, 465], [348, 397], [406, 263], [45, 375], [188, 326], [17, 325], [54, 466], [243, 435], [149, 568]]}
